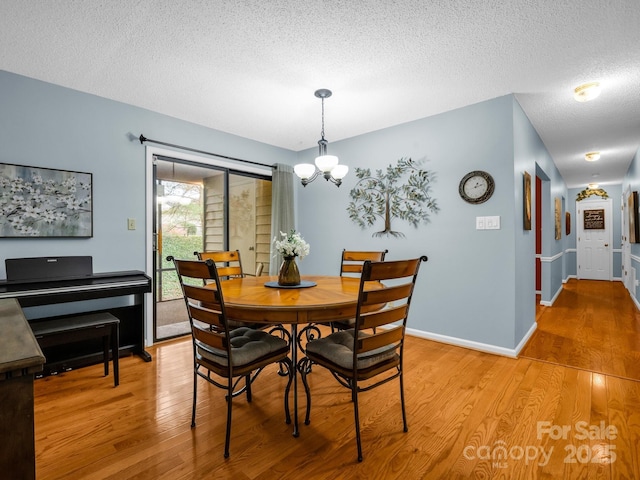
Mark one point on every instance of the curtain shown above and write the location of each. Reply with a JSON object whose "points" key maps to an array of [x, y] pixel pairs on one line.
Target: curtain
{"points": [[282, 216]]}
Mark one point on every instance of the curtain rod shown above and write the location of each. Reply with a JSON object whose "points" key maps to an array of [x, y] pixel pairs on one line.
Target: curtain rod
{"points": [[143, 139]]}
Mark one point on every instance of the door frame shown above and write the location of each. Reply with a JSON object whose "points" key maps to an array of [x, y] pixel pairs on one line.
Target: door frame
{"points": [[627, 278], [580, 206], [150, 153]]}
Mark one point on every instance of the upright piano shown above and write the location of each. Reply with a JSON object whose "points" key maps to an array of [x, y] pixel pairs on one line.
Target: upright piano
{"points": [[42, 281]]}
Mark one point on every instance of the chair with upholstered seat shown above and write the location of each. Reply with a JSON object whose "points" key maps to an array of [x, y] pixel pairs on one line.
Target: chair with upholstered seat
{"points": [[232, 355], [352, 261], [351, 266], [229, 263], [361, 358]]}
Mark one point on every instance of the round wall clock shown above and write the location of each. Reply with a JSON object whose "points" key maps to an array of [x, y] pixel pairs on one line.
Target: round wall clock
{"points": [[476, 187]]}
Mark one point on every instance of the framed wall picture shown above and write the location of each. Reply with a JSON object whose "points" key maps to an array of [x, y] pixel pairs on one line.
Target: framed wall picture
{"points": [[594, 219], [634, 225], [526, 198], [40, 202], [567, 223], [558, 218]]}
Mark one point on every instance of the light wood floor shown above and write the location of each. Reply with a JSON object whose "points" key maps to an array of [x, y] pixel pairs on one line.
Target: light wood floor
{"points": [[592, 325], [465, 408]]}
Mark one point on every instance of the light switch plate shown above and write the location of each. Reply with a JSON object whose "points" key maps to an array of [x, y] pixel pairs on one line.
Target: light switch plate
{"points": [[131, 223], [492, 223], [480, 223]]}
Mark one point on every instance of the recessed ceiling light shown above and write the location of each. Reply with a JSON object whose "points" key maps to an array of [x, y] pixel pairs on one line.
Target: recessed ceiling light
{"points": [[592, 186], [586, 91], [592, 156]]}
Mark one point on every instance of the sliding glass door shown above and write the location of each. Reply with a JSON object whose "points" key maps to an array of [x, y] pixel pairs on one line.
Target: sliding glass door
{"points": [[203, 208]]}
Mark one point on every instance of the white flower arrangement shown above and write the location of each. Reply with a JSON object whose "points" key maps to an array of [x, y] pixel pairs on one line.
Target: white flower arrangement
{"points": [[291, 245]]}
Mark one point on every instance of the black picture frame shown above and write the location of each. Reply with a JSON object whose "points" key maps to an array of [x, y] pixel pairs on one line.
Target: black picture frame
{"points": [[37, 202], [593, 219]]}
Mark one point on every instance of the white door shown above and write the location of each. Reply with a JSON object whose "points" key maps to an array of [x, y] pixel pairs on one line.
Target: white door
{"points": [[594, 239]]}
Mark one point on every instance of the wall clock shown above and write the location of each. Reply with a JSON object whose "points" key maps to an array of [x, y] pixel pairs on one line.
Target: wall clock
{"points": [[476, 187]]}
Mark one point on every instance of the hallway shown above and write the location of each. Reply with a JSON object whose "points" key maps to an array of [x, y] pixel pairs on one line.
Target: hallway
{"points": [[593, 325]]}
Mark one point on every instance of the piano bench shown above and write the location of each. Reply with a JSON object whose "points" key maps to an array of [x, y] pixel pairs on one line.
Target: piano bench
{"points": [[67, 330]]}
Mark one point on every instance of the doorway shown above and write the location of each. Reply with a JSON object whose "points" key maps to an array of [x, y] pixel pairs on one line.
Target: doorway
{"points": [[595, 239], [203, 208]]}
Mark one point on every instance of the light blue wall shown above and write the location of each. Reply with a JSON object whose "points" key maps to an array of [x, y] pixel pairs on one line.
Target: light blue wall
{"points": [[45, 125], [527, 149], [476, 288], [571, 253], [477, 285], [553, 186], [632, 183], [615, 192]]}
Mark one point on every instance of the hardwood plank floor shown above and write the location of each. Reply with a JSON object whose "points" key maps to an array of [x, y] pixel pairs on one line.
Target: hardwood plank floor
{"points": [[593, 325], [471, 415]]}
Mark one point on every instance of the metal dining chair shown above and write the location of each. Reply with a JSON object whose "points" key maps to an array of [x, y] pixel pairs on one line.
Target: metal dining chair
{"points": [[221, 355], [351, 266], [361, 358], [227, 262], [229, 265]]}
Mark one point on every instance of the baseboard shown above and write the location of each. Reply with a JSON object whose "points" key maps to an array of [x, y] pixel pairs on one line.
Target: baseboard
{"points": [[526, 338], [547, 303], [635, 300], [483, 347]]}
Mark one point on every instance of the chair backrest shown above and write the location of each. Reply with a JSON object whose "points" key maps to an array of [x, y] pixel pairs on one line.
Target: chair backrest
{"points": [[386, 307], [227, 262], [259, 268], [205, 303], [352, 261]]}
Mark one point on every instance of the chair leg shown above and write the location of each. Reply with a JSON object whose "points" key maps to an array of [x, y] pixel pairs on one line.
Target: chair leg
{"points": [[354, 393], [195, 394], [248, 383], [229, 405], [404, 413]]}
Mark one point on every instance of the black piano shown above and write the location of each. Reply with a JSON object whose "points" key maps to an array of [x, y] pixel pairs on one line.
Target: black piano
{"points": [[42, 281]]}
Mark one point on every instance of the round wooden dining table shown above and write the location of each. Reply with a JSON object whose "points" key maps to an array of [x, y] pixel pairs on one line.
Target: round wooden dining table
{"points": [[320, 299], [327, 298]]}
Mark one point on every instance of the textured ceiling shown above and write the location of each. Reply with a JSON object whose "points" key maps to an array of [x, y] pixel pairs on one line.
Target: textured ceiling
{"points": [[250, 67]]}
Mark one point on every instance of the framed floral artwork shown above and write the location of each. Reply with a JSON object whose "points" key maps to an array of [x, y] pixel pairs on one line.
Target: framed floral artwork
{"points": [[45, 202]]}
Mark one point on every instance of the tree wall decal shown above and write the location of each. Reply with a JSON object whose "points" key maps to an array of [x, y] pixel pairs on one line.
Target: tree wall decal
{"points": [[381, 196]]}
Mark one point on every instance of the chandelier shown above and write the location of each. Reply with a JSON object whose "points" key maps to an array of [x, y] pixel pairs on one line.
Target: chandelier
{"points": [[327, 165]]}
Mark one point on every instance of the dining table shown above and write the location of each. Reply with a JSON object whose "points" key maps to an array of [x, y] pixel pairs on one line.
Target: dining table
{"points": [[318, 299]]}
